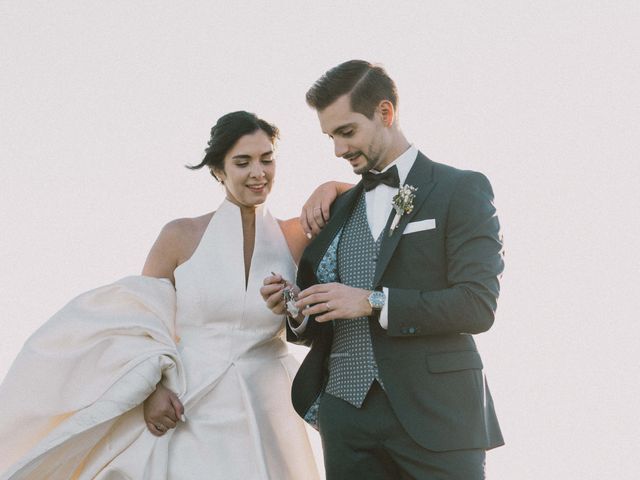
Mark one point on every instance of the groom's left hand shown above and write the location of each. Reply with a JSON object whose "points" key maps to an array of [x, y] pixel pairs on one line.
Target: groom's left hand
{"points": [[333, 301]]}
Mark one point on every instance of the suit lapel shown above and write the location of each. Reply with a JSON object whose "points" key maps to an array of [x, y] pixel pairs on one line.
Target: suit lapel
{"points": [[420, 176]]}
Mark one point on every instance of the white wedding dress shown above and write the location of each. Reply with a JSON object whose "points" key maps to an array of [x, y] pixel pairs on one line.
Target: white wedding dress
{"points": [[72, 400]]}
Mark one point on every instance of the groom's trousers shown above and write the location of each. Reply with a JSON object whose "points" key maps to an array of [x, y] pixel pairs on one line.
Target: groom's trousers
{"points": [[370, 443]]}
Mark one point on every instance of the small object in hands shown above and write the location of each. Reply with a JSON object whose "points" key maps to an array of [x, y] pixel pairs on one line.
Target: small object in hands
{"points": [[160, 427], [290, 302]]}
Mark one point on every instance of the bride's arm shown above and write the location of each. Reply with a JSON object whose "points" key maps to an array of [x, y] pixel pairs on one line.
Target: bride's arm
{"points": [[162, 259], [162, 409], [315, 214]]}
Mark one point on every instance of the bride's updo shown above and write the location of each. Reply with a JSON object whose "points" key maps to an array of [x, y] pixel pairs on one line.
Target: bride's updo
{"points": [[226, 132]]}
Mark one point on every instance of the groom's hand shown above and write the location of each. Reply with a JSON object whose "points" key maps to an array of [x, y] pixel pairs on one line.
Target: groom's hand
{"points": [[333, 301]]}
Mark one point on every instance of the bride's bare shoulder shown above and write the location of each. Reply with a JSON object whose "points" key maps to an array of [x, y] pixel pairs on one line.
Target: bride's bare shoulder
{"points": [[184, 228], [175, 244]]}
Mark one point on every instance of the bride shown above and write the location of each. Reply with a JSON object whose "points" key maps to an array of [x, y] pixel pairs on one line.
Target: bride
{"points": [[181, 373]]}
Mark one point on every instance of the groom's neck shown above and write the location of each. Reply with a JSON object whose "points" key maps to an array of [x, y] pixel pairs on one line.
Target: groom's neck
{"points": [[397, 146]]}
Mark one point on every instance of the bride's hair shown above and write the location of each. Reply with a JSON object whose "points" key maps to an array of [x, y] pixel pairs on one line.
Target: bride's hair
{"points": [[226, 132]]}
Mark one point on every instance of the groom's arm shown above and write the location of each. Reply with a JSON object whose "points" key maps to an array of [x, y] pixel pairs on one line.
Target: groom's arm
{"points": [[474, 258]]}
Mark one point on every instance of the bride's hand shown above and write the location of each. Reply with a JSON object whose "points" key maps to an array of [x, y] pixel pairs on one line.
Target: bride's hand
{"points": [[272, 292], [315, 211], [162, 410]]}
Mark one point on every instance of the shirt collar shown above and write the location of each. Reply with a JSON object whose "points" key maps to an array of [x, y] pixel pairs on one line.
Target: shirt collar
{"points": [[404, 163]]}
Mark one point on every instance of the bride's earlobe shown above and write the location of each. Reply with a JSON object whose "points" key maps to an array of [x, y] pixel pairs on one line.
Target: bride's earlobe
{"points": [[217, 177]]}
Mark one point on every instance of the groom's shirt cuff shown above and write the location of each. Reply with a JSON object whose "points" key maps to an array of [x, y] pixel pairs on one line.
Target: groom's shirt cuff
{"points": [[384, 313], [299, 330]]}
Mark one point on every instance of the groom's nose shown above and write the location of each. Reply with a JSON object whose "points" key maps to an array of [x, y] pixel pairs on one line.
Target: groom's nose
{"points": [[340, 148]]}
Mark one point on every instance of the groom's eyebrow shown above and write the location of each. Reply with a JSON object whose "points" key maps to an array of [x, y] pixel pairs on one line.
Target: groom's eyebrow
{"points": [[342, 127]]}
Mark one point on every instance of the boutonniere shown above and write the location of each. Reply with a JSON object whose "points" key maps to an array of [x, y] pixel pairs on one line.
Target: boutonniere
{"points": [[402, 203]]}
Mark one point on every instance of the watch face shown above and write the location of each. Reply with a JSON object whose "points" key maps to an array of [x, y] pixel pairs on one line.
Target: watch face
{"points": [[377, 299]]}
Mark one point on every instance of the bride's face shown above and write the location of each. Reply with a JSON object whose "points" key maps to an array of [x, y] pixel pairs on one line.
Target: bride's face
{"points": [[249, 168]]}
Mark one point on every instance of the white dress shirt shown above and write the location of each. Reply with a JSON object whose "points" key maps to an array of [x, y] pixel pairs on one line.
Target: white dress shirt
{"points": [[379, 205]]}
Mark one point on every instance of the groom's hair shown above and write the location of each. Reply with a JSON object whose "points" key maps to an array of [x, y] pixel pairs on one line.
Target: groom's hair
{"points": [[367, 84]]}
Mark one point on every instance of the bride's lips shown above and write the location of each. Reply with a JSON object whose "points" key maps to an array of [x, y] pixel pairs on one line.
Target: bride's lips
{"points": [[257, 188]]}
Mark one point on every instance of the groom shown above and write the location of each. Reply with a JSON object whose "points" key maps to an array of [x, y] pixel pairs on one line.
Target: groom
{"points": [[393, 288]]}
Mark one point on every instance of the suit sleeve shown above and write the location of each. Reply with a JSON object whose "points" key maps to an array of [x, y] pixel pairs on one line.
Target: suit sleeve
{"points": [[474, 254]]}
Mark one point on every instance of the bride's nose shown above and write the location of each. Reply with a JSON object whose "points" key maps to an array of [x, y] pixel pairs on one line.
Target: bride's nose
{"points": [[257, 170]]}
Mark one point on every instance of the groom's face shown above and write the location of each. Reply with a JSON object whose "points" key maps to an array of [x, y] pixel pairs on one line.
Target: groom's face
{"points": [[356, 138]]}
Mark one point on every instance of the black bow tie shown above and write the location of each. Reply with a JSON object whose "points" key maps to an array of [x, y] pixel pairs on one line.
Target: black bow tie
{"points": [[372, 180]]}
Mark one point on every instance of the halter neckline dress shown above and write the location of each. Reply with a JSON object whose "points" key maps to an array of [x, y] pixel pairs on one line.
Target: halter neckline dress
{"points": [[212, 340]]}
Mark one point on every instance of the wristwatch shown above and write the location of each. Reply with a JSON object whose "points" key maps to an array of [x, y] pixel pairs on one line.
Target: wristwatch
{"points": [[377, 300]]}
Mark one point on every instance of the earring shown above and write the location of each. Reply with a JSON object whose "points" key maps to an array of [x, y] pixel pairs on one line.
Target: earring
{"points": [[214, 176]]}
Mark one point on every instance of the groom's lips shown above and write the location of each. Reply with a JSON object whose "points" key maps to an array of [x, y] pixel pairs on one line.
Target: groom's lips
{"points": [[351, 158]]}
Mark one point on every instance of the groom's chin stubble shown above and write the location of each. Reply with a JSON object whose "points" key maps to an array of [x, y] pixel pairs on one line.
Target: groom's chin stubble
{"points": [[359, 170]]}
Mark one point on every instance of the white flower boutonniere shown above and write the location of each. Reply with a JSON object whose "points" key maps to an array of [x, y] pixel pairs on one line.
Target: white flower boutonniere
{"points": [[402, 203]]}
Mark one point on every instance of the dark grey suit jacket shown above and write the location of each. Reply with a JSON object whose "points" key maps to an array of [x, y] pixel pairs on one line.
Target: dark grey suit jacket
{"points": [[443, 285]]}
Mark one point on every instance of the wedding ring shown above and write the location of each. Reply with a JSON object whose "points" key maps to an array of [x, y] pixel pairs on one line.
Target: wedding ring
{"points": [[317, 208], [161, 428], [327, 305]]}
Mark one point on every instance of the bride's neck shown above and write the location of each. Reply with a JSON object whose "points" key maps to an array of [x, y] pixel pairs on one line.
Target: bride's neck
{"points": [[248, 215], [247, 212]]}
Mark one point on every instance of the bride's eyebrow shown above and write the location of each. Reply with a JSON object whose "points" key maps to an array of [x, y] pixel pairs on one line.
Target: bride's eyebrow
{"points": [[244, 156]]}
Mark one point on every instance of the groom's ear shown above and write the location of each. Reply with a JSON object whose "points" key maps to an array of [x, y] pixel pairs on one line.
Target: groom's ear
{"points": [[387, 112]]}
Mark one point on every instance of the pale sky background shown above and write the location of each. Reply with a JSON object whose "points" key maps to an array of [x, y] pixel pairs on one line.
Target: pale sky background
{"points": [[102, 103]]}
